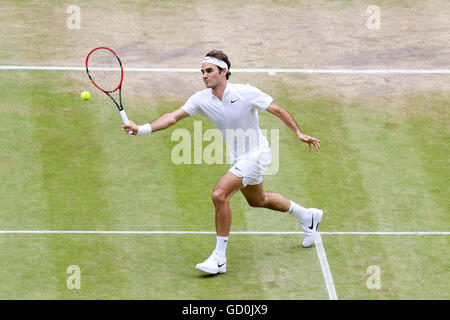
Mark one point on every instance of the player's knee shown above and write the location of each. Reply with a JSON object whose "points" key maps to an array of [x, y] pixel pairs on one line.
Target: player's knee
{"points": [[254, 204], [219, 197], [257, 203]]}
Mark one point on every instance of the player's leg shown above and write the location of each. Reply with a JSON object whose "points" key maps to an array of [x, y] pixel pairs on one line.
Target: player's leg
{"points": [[223, 191], [257, 197], [227, 186], [308, 219]]}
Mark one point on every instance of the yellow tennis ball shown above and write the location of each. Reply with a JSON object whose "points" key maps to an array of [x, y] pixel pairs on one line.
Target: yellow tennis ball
{"points": [[85, 95]]}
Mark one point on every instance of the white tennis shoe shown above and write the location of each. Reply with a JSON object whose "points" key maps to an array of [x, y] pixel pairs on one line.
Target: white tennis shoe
{"points": [[311, 229], [214, 264]]}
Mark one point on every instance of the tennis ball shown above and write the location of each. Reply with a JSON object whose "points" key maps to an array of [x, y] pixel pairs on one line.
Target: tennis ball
{"points": [[85, 95]]}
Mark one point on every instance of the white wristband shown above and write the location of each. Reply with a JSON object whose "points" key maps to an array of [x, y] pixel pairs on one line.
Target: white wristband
{"points": [[145, 129]]}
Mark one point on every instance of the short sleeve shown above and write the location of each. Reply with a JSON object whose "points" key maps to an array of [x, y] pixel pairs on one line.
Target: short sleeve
{"points": [[191, 106], [257, 98]]}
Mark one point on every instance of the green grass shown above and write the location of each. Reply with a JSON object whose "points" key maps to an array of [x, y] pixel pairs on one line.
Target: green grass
{"points": [[411, 266], [133, 267], [67, 165]]}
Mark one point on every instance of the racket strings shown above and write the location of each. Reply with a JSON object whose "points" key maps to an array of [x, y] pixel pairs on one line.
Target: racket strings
{"points": [[104, 69]]}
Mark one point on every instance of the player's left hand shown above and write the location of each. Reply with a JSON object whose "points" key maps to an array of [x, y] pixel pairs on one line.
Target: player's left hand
{"points": [[310, 141]]}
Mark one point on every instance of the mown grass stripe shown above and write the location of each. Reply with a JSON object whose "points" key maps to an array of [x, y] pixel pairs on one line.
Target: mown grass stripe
{"points": [[73, 166]]}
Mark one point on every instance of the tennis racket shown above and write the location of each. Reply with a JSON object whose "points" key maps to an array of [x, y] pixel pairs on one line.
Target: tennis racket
{"points": [[104, 68]]}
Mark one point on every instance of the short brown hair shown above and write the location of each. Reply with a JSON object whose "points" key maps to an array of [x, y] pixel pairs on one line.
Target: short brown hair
{"points": [[221, 56]]}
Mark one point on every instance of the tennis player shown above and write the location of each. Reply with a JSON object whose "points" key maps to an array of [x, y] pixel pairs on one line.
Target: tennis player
{"points": [[233, 108]]}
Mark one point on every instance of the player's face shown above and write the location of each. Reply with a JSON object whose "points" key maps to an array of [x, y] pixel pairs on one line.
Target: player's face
{"points": [[211, 75]]}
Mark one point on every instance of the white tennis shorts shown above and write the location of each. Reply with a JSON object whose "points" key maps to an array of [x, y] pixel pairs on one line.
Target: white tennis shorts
{"points": [[251, 166]]}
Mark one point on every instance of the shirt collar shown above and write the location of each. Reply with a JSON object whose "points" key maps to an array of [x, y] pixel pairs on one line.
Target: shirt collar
{"points": [[226, 92], [227, 89]]}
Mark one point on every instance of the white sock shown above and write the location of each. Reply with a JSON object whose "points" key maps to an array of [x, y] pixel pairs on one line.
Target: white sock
{"points": [[299, 212], [221, 245]]}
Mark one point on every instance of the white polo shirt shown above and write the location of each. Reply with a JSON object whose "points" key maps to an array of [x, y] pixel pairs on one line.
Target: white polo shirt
{"points": [[236, 116]]}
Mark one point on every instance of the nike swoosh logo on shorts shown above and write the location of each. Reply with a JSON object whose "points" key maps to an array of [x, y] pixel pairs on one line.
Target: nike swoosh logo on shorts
{"points": [[220, 265]]}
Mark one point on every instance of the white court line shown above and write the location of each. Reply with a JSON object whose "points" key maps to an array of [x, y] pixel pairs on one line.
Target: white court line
{"points": [[213, 232], [270, 71], [325, 268]]}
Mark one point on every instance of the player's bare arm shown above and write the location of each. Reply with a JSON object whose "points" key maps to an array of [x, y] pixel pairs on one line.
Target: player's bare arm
{"points": [[282, 113], [163, 122]]}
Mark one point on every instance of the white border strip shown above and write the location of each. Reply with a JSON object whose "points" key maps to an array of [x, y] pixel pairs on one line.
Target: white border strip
{"points": [[251, 70], [325, 268], [213, 232]]}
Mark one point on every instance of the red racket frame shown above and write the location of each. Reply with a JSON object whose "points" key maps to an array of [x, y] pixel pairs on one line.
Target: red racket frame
{"points": [[121, 69]]}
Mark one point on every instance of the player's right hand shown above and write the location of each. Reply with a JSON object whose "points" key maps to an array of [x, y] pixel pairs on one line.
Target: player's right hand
{"points": [[130, 126]]}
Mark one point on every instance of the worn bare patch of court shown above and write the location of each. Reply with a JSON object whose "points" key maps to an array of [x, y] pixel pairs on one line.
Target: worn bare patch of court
{"points": [[262, 34]]}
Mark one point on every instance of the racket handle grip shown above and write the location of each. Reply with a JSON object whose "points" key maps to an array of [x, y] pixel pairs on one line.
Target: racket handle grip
{"points": [[125, 119]]}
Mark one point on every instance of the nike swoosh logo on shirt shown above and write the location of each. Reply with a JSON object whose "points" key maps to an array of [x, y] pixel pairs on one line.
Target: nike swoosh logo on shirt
{"points": [[234, 101]]}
